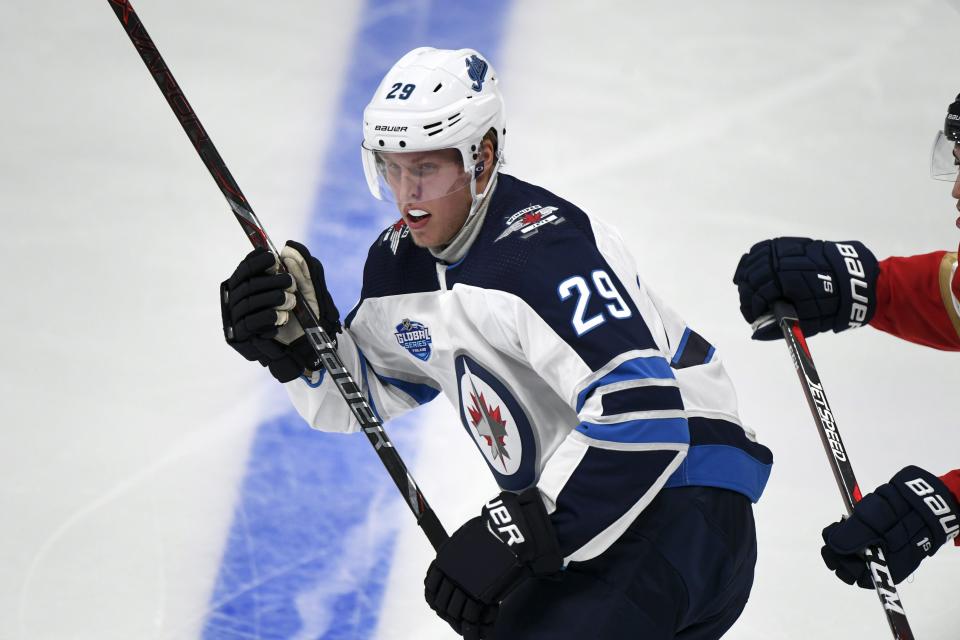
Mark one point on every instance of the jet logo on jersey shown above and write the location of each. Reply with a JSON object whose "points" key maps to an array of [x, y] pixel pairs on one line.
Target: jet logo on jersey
{"points": [[395, 234], [415, 338], [489, 425], [497, 423], [491, 420], [528, 221], [477, 70]]}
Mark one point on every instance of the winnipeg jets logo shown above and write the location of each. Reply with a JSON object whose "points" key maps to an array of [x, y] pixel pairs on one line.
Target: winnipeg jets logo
{"points": [[491, 422], [488, 423], [477, 70], [528, 221], [395, 234]]}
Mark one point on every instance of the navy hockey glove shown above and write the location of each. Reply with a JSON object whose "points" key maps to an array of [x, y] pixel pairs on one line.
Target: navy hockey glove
{"points": [[910, 517], [256, 305], [487, 557], [832, 285]]}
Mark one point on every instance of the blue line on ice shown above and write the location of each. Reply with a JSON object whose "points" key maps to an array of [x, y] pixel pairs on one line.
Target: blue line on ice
{"points": [[312, 538]]}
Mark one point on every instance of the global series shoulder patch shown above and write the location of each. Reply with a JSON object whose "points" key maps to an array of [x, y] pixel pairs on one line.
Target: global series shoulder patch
{"points": [[415, 338], [527, 221]]}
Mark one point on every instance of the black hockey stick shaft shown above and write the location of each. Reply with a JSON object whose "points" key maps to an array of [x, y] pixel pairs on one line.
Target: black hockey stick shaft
{"points": [[823, 415], [318, 338]]}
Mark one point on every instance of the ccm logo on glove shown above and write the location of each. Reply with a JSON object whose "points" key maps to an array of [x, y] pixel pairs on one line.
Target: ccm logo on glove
{"points": [[938, 505]]}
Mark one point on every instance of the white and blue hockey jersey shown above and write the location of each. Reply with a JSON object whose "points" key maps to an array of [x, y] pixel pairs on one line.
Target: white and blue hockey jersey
{"points": [[568, 373]]}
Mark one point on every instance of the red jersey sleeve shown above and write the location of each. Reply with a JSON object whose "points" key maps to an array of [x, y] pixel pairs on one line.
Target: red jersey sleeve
{"points": [[917, 299], [952, 480]]}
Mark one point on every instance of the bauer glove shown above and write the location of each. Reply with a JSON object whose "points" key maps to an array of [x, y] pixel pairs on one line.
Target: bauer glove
{"points": [[910, 517], [511, 540], [256, 304], [832, 285]]}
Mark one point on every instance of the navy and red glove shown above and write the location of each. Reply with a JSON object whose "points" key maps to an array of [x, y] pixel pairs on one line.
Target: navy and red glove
{"points": [[909, 517], [832, 285], [485, 559]]}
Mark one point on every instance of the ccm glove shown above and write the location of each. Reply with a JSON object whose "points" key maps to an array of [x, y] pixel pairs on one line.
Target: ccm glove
{"points": [[910, 517], [487, 557], [832, 285], [256, 305]]}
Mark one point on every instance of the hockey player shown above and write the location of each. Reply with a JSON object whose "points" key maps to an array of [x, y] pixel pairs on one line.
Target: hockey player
{"points": [[609, 424], [840, 285]]}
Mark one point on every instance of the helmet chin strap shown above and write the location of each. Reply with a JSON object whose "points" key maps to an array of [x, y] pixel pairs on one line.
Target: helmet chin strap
{"points": [[460, 243], [478, 198]]}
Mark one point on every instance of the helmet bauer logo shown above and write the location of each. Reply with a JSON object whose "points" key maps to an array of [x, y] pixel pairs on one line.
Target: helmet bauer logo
{"points": [[477, 70]]}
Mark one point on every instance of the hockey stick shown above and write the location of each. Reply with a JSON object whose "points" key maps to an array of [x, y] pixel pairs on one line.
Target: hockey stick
{"points": [[318, 338], [786, 317]]}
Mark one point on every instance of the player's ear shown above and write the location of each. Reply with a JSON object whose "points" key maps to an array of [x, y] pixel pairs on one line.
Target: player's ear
{"points": [[487, 157], [487, 152]]}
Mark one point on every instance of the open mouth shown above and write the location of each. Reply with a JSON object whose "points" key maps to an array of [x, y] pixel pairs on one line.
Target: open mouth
{"points": [[416, 218]]}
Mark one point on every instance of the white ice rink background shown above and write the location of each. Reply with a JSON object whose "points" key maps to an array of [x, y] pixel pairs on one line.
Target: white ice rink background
{"points": [[156, 486]]}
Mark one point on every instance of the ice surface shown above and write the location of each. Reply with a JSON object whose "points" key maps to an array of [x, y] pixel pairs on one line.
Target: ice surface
{"points": [[132, 438]]}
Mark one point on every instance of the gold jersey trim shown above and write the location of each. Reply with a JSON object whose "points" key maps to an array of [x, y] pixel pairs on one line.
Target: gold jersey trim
{"points": [[948, 268]]}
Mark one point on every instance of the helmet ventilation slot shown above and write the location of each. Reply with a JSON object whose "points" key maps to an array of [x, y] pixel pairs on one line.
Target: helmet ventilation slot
{"points": [[434, 128]]}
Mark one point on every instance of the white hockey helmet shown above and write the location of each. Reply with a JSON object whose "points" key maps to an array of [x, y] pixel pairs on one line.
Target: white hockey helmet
{"points": [[431, 99]]}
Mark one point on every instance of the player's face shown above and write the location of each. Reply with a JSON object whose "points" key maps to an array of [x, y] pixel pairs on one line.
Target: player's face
{"points": [[433, 224], [433, 192]]}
